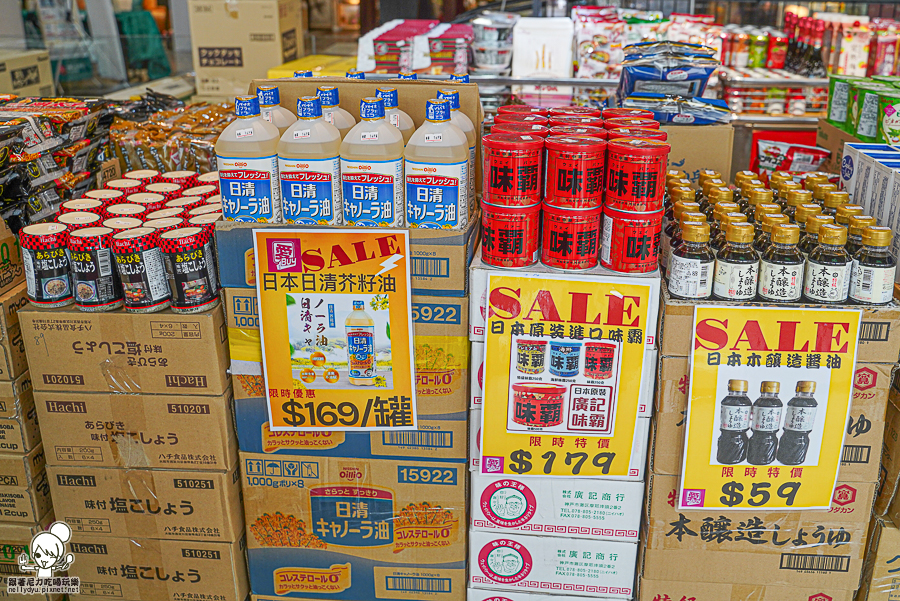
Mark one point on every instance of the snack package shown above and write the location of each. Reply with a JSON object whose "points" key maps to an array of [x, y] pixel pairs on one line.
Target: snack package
{"points": [[680, 110], [784, 156], [666, 68]]}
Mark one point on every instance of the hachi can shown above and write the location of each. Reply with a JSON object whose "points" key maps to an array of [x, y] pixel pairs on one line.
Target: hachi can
{"points": [[168, 190], [107, 197], [163, 213], [630, 242], [150, 201], [86, 205], [205, 209], [514, 118], [530, 356], [598, 360], [215, 199], [576, 169], [185, 203], [187, 254], [46, 262], [208, 223], [125, 186], [630, 122], [636, 174], [79, 219], [94, 276], [571, 237], [509, 235], [122, 223], [145, 176], [637, 132], [165, 224], [538, 405], [591, 131], [564, 358], [612, 113], [185, 179], [204, 191], [141, 270], [512, 169], [520, 128], [126, 209], [210, 177]]}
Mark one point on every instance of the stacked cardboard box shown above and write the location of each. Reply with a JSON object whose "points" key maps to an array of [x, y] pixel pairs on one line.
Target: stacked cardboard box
{"points": [[713, 555], [141, 452]]}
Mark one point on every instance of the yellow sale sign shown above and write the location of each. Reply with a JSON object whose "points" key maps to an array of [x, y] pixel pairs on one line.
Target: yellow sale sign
{"points": [[334, 312], [769, 397], [564, 371]]}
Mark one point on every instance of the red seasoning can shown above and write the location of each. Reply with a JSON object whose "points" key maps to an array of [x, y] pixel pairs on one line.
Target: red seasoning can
{"points": [[107, 197], [79, 219], [575, 120], [125, 186], [636, 174], [215, 207], [122, 223], [190, 269], [163, 213], [94, 275], [88, 205], [185, 179], [598, 360], [576, 166], [215, 199], [141, 270], [538, 405], [578, 130], [126, 209], [168, 190], [571, 237], [165, 224], [637, 132], [630, 122], [145, 176], [211, 177], [204, 191], [522, 109], [625, 112], [509, 235], [150, 201], [512, 169], [630, 242], [577, 111], [46, 262], [514, 118], [185, 203], [532, 129]]}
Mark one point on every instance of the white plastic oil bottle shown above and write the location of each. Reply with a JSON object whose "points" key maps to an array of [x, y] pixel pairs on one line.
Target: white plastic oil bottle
{"points": [[246, 152], [271, 110], [360, 329], [392, 112], [332, 111], [436, 166], [460, 120], [309, 168], [372, 169]]}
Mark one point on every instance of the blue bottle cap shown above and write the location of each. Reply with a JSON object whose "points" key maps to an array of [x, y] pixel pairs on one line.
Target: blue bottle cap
{"points": [[303, 74], [389, 95], [309, 107], [437, 110], [452, 96], [246, 106], [371, 108], [460, 77], [268, 95], [358, 305], [407, 75], [328, 96], [356, 74]]}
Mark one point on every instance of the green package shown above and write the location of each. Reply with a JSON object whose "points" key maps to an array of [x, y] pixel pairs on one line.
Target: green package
{"points": [[891, 80], [839, 98], [862, 112], [889, 117]]}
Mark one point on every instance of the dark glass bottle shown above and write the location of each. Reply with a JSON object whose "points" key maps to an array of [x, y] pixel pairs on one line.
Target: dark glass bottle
{"points": [[804, 211], [813, 63], [734, 423], [810, 239], [794, 198], [833, 200], [737, 265], [677, 237], [719, 211], [707, 174], [819, 191], [765, 422], [828, 268], [764, 236], [781, 266], [691, 266], [790, 27], [745, 200], [799, 419], [763, 209], [727, 219], [844, 212], [855, 227], [665, 246], [740, 178], [676, 193], [872, 280], [782, 189], [707, 198], [812, 178]]}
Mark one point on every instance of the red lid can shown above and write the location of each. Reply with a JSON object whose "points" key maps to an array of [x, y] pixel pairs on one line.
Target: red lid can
{"points": [[145, 176], [575, 120], [626, 112], [150, 201], [107, 197], [125, 186], [509, 235], [90, 238], [577, 111], [43, 236], [630, 122], [576, 169], [79, 219], [571, 237], [521, 109], [637, 132], [89, 205], [213, 200], [532, 129], [168, 190], [203, 191], [185, 179], [636, 174], [136, 240], [515, 118], [578, 130], [208, 221], [630, 241], [205, 209], [513, 165]]}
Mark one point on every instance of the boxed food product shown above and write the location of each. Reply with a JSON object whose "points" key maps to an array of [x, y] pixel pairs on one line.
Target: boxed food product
{"points": [[879, 581], [654, 590], [22, 469], [26, 72], [25, 501], [19, 433]]}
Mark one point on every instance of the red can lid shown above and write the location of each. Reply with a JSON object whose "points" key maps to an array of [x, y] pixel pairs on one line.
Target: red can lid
{"points": [[122, 223], [623, 112], [167, 189], [163, 213], [514, 118], [521, 109], [570, 212], [205, 220], [576, 144], [215, 207], [125, 185], [183, 238], [43, 236], [578, 111], [575, 120], [105, 196], [536, 388], [520, 128], [135, 240], [165, 224], [638, 146], [578, 130], [146, 199], [211, 177], [513, 142], [637, 132], [90, 238], [91, 205], [126, 209], [630, 122], [179, 177], [142, 175], [79, 219]]}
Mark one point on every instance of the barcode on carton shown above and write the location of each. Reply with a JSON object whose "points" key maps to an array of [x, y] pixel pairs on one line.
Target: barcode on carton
{"points": [[431, 267], [418, 585], [854, 453], [815, 563], [874, 331], [417, 438]]}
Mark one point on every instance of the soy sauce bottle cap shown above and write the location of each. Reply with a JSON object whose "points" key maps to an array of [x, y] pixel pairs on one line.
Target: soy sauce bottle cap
{"points": [[769, 387], [786, 233]]}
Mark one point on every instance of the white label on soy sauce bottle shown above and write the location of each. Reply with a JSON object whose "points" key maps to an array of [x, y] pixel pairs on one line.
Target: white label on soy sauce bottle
{"points": [[780, 282], [690, 278], [871, 284], [827, 283], [735, 281]]}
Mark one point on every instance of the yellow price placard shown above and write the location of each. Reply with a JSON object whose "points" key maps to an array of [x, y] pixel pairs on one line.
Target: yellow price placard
{"points": [[769, 397]]}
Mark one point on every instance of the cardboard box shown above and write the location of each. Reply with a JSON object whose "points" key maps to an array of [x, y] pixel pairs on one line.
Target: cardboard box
{"points": [[515, 562], [577, 508], [11, 393], [855, 169], [150, 353], [887, 503], [163, 504], [233, 42], [880, 580], [437, 439], [474, 594], [879, 331], [860, 456], [158, 570], [12, 269], [833, 138], [654, 590], [20, 433], [329, 527], [138, 430], [13, 361], [22, 470], [10, 302], [15, 539], [438, 265], [26, 73], [793, 548], [696, 147], [25, 501]]}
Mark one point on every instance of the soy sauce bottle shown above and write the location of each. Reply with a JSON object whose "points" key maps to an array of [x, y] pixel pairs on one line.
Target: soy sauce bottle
{"points": [[799, 419], [820, 190], [763, 209], [756, 196], [814, 178], [718, 212], [678, 236], [706, 175], [781, 266], [691, 265], [706, 201], [744, 200], [665, 246], [833, 200], [843, 213], [777, 178], [765, 420], [804, 211], [782, 190], [872, 280], [794, 199], [733, 424], [737, 265], [828, 268], [810, 239], [764, 237], [855, 228], [727, 218]]}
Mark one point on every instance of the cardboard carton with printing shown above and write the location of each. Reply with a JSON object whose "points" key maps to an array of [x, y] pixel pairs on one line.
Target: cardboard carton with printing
{"points": [[879, 581], [15, 539], [12, 395], [700, 147], [25, 501], [26, 73], [12, 269], [20, 433], [474, 594], [654, 590]]}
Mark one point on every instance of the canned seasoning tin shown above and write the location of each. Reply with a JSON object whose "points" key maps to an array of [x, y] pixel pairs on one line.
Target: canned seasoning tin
{"points": [[530, 356], [187, 254], [637, 132], [145, 176], [629, 122], [185, 203], [564, 358], [514, 118], [46, 262], [512, 169], [150, 201], [141, 270], [203, 192], [630, 242], [94, 277], [184, 179], [571, 237], [211, 178], [623, 112], [509, 235], [167, 189], [520, 128], [538, 405], [598, 360], [576, 167], [578, 130], [163, 225], [107, 197], [79, 219], [122, 223], [636, 172], [215, 199], [207, 222], [125, 186], [577, 111], [522, 109], [163, 213], [85, 205], [204, 209], [126, 210], [558, 120]]}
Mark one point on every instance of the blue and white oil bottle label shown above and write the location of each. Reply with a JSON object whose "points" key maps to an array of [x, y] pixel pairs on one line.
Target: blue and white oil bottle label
{"points": [[361, 351], [311, 191], [249, 189], [437, 195], [373, 193]]}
